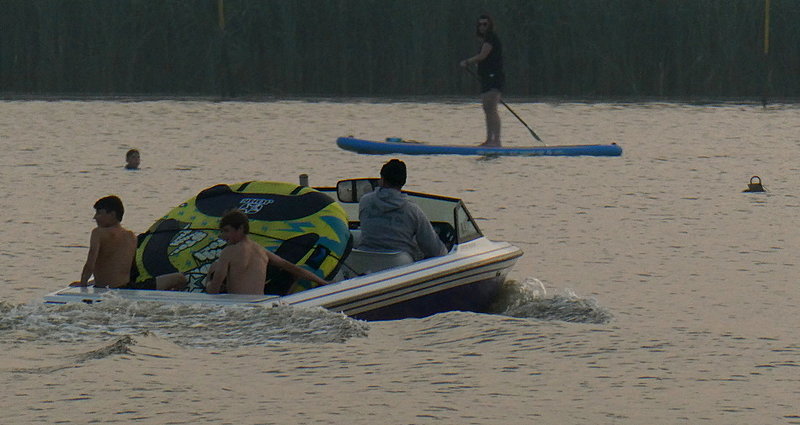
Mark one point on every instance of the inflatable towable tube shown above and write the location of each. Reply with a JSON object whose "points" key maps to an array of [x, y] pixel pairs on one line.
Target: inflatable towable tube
{"points": [[298, 223]]}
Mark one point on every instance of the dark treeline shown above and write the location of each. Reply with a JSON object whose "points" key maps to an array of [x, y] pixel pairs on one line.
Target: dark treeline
{"points": [[572, 48]]}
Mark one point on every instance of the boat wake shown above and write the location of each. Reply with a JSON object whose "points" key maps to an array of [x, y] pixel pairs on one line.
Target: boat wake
{"points": [[529, 299], [183, 324]]}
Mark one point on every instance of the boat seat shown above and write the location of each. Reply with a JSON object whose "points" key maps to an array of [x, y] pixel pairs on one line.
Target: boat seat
{"points": [[361, 262], [356, 233], [443, 229]]}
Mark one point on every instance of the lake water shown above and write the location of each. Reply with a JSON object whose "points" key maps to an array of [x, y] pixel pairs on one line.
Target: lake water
{"points": [[652, 289]]}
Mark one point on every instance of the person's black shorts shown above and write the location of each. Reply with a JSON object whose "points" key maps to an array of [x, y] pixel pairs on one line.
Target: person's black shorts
{"points": [[492, 82], [149, 284]]}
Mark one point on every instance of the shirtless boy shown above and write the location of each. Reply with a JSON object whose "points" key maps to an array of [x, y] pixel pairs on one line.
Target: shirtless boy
{"points": [[243, 263], [111, 247], [111, 252]]}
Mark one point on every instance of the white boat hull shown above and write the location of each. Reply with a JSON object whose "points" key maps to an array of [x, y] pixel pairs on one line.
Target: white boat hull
{"points": [[467, 278]]}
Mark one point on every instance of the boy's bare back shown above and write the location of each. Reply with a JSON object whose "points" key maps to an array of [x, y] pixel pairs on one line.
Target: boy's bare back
{"points": [[248, 267], [243, 262], [116, 250]]}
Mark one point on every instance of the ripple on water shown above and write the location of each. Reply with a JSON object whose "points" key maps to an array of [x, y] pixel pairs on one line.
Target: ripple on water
{"points": [[187, 325], [529, 299]]}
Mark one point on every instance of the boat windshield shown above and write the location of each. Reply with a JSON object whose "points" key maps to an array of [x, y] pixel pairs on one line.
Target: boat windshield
{"points": [[449, 216], [466, 228]]}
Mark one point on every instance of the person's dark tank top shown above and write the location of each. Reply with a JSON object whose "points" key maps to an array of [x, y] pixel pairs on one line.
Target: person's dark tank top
{"points": [[493, 64]]}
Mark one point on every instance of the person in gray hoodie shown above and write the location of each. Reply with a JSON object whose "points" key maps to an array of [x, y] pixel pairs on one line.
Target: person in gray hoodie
{"points": [[390, 222]]}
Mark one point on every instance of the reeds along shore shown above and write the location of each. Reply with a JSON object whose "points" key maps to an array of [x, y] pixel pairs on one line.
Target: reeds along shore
{"points": [[592, 48]]}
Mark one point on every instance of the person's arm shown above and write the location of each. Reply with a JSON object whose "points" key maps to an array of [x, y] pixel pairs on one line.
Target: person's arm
{"points": [[427, 239], [91, 259], [219, 271], [486, 48], [295, 270]]}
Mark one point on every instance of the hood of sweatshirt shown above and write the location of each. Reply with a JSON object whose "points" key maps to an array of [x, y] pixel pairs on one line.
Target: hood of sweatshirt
{"points": [[386, 199]]}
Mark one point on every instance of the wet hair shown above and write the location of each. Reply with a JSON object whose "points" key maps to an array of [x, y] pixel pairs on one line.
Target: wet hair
{"points": [[109, 204], [394, 173], [489, 30], [130, 153], [235, 219]]}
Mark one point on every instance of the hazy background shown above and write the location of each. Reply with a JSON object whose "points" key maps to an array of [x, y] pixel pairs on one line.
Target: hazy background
{"points": [[578, 48]]}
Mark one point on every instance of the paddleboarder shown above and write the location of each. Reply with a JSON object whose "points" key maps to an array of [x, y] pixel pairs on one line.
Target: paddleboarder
{"points": [[490, 73]]}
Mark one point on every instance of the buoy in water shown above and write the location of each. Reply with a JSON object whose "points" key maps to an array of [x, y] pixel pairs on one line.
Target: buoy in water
{"points": [[754, 185]]}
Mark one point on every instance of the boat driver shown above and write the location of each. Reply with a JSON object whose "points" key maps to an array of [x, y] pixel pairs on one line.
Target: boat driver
{"points": [[390, 222]]}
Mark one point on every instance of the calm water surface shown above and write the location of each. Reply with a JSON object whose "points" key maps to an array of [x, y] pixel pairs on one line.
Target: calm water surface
{"points": [[652, 290]]}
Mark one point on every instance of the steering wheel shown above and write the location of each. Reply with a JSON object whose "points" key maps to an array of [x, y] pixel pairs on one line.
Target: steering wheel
{"points": [[446, 233]]}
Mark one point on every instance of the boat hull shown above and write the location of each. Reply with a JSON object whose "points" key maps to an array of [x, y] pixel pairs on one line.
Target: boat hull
{"points": [[467, 279], [476, 297], [413, 148]]}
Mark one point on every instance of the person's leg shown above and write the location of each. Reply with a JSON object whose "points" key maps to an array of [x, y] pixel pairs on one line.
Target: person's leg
{"points": [[170, 282], [490, 100]]}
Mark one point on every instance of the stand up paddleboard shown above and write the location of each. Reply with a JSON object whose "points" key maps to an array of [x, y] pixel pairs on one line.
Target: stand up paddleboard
{"points": [[399, 146]]}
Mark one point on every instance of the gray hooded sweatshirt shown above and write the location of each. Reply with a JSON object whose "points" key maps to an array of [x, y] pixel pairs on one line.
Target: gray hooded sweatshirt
{"points": [[390, 222]]}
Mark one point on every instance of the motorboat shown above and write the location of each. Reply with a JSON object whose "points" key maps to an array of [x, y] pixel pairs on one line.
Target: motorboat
{"points": [[374, 285]]}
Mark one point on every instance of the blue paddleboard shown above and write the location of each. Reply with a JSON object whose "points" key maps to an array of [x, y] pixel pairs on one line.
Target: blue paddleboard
{"points": [[400, 146]]}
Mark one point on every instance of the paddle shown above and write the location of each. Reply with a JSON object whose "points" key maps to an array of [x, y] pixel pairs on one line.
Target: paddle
{"points": [[533, 133]]}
